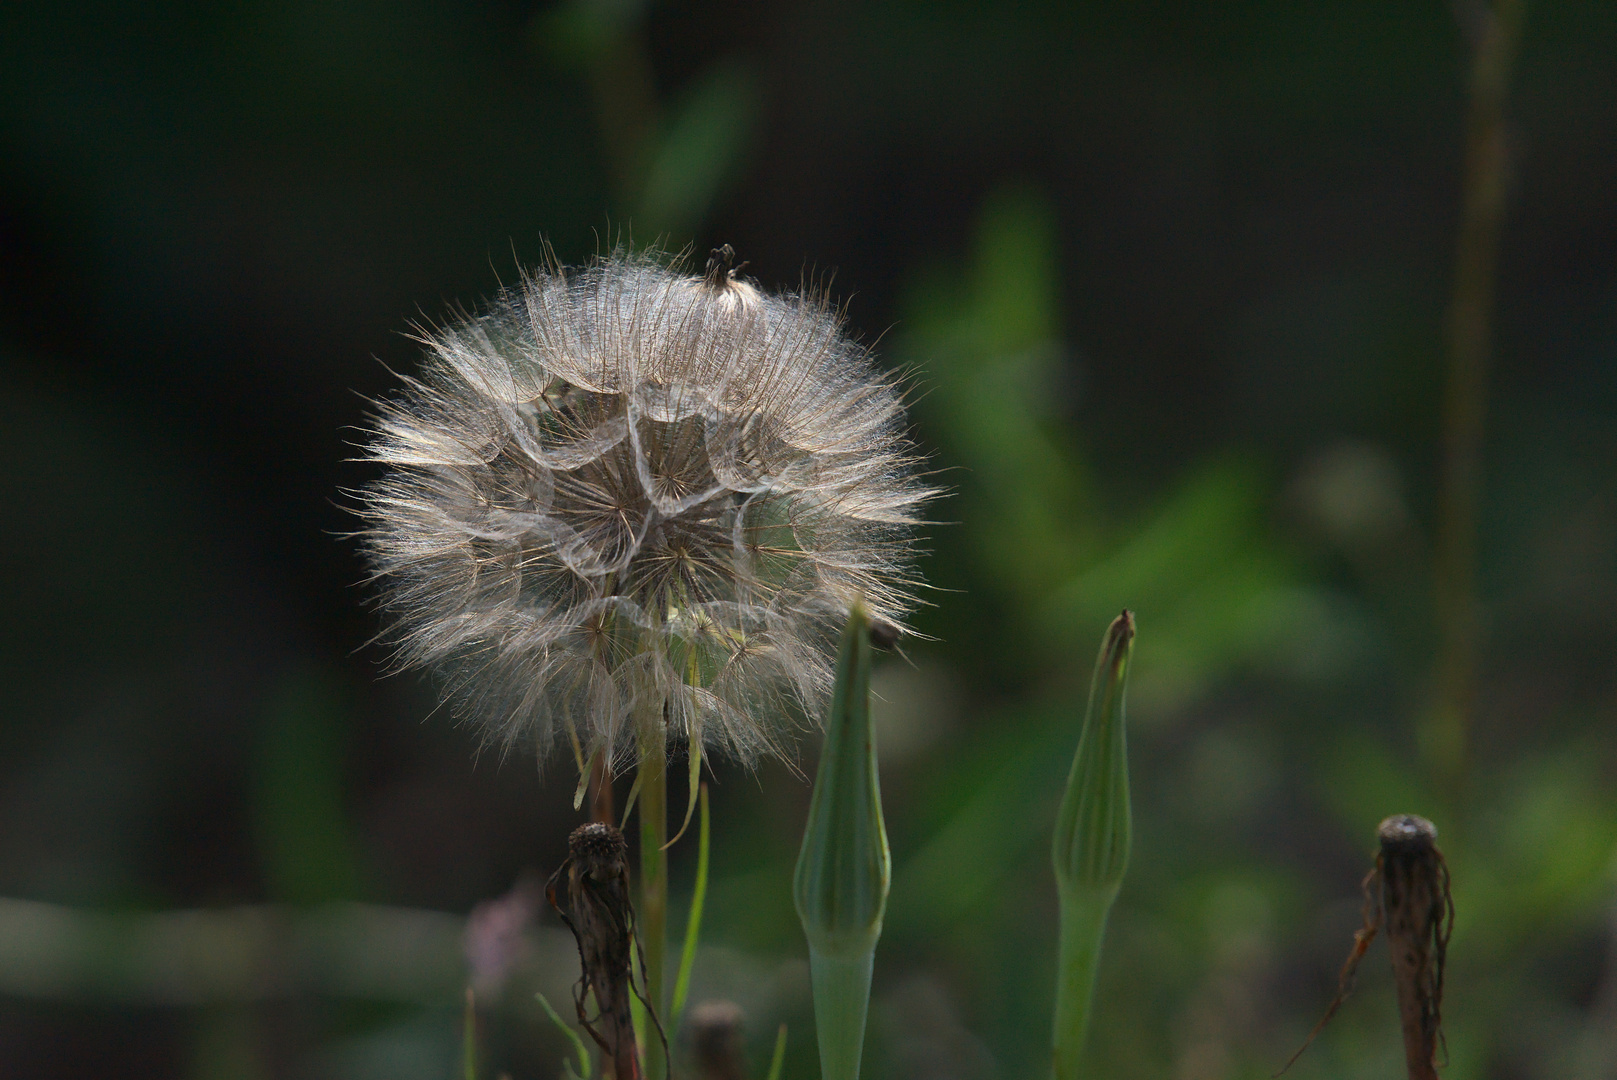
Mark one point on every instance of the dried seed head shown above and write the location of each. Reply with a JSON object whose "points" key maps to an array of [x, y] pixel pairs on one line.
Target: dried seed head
{"points": [[629, 492], [590, 891], [1406, 832], [599, 849]]}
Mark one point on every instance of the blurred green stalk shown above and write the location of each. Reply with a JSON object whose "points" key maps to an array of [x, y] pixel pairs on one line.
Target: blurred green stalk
{"points": [[1091, 848], [1495, 31], [468, 1039], [843, 870]]}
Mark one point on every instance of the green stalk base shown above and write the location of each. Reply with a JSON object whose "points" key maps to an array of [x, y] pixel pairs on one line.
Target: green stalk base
{"points": [[1083, 928], [841, 1001]]}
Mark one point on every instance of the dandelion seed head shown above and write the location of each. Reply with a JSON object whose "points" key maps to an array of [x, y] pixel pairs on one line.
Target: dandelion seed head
{"points": [[627, 496]]}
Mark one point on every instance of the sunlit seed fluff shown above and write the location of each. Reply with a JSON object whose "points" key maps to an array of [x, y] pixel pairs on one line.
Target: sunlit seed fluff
{"points": [[624, 496]]}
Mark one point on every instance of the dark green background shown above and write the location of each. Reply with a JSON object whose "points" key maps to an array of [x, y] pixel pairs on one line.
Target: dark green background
{"points": [[1170, 279]]}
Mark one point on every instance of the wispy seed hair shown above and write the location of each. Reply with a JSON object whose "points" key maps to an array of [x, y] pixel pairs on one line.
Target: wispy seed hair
{"points": [[626, 495]]}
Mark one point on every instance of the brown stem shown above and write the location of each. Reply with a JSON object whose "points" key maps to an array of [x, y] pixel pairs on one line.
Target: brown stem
{"points": [[601, 802], [1418, 915]]}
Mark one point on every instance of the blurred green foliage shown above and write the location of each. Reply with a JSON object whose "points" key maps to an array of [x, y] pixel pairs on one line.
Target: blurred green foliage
{"points": [[1168, 281], [302, 832]]}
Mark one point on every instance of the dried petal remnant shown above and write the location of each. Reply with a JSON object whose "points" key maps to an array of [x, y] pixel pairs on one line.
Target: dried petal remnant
{"points": [[626, 492]]}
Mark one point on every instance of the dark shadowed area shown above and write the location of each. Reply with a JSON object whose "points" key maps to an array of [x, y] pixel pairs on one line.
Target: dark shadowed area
{"points": [[1170, 281]]}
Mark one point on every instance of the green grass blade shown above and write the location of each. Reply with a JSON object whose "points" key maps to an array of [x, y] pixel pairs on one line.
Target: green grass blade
{"points": [[468, 1039], [572, 1036], [693, 926], [643, 1030], [779, 1058], [695, 759]]}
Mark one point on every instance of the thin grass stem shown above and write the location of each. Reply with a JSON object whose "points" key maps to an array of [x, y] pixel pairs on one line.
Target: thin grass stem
{"points": [[778, 1059], [584, 1067], [693, 925]]}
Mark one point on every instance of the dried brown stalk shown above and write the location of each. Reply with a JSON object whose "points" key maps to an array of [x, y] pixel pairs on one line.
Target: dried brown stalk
{"points": [[1407, 894], [597, 909]]}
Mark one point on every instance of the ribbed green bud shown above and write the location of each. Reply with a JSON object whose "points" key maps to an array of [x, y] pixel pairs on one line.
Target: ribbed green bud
{"points": [[843, 870], [1091, 848]]}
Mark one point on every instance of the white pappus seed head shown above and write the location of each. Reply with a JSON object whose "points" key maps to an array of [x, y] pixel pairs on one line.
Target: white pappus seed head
{"points": [[625, 496]]}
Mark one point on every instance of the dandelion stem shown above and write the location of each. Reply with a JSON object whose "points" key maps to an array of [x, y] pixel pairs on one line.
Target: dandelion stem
{"points": [[652, 918]]}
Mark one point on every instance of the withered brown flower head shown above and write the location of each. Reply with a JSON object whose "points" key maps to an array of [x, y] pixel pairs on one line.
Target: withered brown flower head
{"points": [[624, 496]]}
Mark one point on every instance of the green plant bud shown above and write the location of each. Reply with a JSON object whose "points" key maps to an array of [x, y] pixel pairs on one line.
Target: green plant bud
{"points": [[1091, 848], [843, 870]]}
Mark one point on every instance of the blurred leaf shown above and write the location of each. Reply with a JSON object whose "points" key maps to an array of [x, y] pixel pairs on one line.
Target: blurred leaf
{"points": [[1200, 567], [1540, 853], [578, 33], [697, 152], [987, 345], [989, 792], [1202, 570], [1363, 781]]}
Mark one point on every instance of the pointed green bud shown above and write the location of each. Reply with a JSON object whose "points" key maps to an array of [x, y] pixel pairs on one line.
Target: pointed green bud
{"points": [[1091, 848], [843, 870]]}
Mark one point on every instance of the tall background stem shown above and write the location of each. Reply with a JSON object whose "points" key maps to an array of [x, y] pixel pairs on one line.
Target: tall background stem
{"points": [[1494, 30]]}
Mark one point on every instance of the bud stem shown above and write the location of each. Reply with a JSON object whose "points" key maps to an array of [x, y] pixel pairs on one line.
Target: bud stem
{"points": [[1083, 929], [841, 1001]]}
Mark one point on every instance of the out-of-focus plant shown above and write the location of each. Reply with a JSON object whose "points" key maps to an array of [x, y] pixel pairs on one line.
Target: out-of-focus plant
{"points": [[668, 161], [1048, 566]]}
